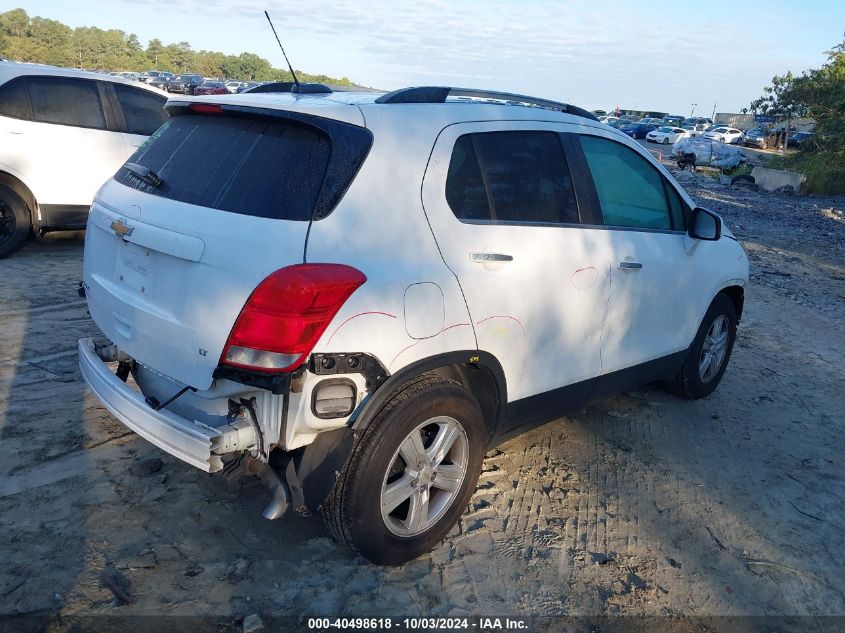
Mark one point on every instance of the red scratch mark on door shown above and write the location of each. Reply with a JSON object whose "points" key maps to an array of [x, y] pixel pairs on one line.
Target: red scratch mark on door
{"points": [[584, 278]]}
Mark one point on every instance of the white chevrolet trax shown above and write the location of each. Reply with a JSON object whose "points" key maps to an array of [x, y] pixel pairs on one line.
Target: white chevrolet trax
{"points": [[62, 133], [358, 295]]}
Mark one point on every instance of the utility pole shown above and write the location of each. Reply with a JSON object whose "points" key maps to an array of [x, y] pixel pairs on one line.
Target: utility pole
{"points": [[713, 116], [692, 110]]}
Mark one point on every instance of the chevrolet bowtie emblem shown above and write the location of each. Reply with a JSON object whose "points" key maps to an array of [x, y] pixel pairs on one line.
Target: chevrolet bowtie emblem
{"points": [[121, 229]]}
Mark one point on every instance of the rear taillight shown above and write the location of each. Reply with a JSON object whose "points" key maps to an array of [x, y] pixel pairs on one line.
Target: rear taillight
{"points": [[286, 315]]}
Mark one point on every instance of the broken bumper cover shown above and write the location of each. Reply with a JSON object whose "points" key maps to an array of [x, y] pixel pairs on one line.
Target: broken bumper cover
{"points": [[190, 441]]}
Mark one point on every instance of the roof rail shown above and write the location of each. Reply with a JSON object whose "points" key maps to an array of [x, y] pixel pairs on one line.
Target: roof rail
{"points": [[439, 94]]}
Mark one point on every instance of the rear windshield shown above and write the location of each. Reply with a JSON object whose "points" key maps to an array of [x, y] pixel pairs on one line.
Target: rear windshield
{"points": [[263, 167]]}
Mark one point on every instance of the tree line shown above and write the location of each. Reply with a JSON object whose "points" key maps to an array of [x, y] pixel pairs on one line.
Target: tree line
{"points": [[44, 41], [819, 94]]}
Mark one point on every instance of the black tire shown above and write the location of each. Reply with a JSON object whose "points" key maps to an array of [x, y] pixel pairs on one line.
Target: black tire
{"points": [[665, 140], [15, 221], [352, 511], [688, 382]]}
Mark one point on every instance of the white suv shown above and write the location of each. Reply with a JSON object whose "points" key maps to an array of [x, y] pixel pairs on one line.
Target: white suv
{"points": [[359, 295], [63, 133]]}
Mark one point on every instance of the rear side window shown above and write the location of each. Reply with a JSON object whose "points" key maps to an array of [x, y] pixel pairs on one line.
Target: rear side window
{"points": [[142, 111], [630, 190], [511, 177], [259, 166], [14, 101], [66, 101], [465, 190]]}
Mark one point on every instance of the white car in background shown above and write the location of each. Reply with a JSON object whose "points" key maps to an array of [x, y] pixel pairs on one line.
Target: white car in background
{"points": [[64, 133], [232, 86], [725, 134], [361, 294], [667, 135]]}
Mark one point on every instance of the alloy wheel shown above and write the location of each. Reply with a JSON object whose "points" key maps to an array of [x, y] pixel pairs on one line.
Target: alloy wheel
{"points": [[424, 476], [714, 349]]}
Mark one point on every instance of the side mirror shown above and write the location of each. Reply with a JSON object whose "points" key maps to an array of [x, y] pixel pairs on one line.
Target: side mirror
{"points": [[705, 225]]}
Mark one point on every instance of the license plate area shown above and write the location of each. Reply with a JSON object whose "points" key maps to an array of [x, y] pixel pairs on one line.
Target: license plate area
{"points": [[135, 266]]}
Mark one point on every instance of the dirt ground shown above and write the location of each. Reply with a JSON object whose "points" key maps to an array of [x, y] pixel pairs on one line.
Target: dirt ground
{"points": [[641, 504]]}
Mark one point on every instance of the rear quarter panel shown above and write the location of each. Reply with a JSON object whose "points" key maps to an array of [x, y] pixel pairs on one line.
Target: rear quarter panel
{"points": [[380, 228]]}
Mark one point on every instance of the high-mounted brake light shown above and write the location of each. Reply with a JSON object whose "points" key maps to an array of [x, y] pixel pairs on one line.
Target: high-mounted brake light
{"points": [[286, 315], [206, 108]]}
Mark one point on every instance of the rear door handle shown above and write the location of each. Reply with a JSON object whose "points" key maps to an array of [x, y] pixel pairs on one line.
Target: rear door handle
{"points": [[630, 265], [486, 258]]}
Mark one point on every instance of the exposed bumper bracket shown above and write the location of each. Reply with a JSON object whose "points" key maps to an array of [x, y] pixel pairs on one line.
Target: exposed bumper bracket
{"points": [[189, 440]]}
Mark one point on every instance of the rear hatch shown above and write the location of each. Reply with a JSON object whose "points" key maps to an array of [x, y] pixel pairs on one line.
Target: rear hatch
{"points": [[168, 266]]}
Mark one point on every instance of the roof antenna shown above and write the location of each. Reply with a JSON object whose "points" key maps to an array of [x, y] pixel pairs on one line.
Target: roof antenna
{"points": [[295, 80]]}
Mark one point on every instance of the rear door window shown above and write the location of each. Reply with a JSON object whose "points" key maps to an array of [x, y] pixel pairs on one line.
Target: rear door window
{"points": [[142, 111], [511, 177], [14, 100], [66, 101], [630, 190]]}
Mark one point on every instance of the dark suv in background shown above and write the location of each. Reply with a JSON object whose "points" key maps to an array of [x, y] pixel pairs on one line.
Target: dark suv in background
{"points": [[761, 138], [185, 84]]}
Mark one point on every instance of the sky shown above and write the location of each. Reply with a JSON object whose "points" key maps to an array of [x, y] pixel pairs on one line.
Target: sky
{"points": [[662, 56]]}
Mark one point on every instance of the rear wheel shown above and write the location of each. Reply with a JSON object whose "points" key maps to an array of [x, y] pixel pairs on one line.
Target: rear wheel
{"points": [[14, 221], [411, 474], [710, 352], [665, 140]]}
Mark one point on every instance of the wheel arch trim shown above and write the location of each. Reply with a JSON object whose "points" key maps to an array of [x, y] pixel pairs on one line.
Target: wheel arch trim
{"points": [[735, 290], [14, 182], [484, 361]]}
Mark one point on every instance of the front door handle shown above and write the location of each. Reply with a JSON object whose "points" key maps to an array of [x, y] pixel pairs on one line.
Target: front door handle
{"points": [[486, 258], [630, 265]]}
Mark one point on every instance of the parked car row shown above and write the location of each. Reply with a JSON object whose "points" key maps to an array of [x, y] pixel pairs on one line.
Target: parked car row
{"points": [[672, 127], [188, 83]]}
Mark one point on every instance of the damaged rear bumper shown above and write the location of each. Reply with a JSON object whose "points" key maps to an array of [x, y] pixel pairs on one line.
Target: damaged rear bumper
{"points": [[189, 440]]}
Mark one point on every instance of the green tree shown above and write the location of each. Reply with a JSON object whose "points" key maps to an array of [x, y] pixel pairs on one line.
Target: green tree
{"points": [[820, 95], [248, 66], [779, 99], [14, 23], [210, 63], [178, 58], [155, 49], [42, 40]]}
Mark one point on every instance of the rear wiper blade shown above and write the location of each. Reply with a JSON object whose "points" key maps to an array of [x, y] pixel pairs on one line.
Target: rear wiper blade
{"points": [[144, 173]]}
